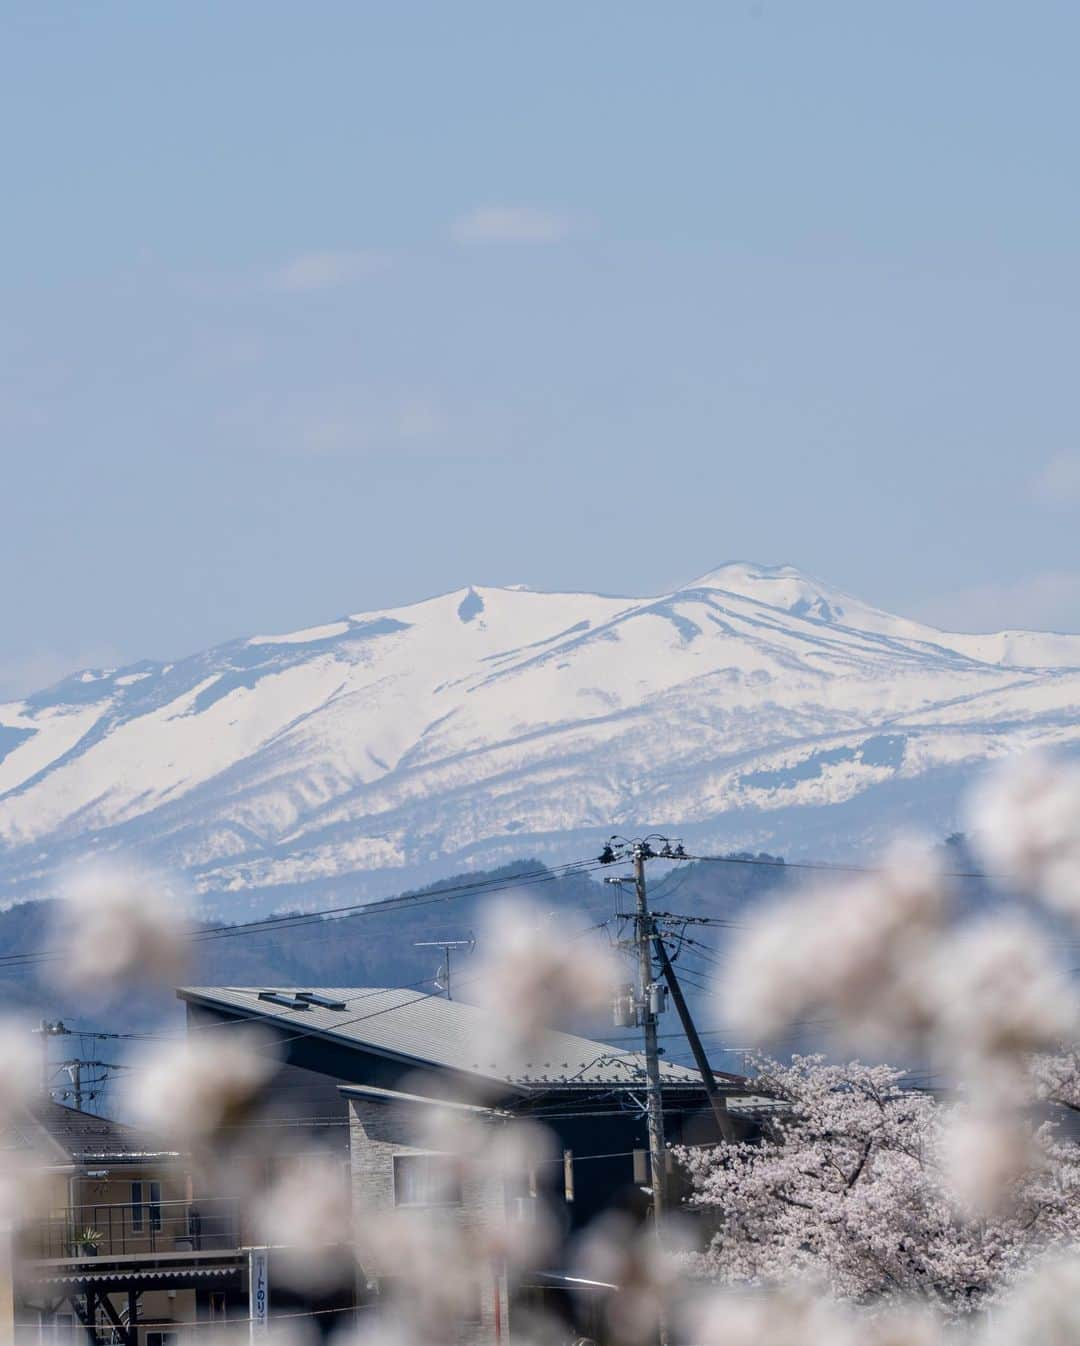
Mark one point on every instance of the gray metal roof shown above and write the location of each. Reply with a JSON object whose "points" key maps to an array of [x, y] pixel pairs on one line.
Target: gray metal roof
{"points": [[429, 1030], [80, 1137]]}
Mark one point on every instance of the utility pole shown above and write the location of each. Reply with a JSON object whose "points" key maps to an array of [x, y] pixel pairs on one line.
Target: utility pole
{"points": [[644, 931], [649, 1005], [446, 945], [80, 1088], [49, 1030]]}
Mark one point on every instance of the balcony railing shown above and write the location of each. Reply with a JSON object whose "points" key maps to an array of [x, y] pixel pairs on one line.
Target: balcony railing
{"points": [[122, 1230]]}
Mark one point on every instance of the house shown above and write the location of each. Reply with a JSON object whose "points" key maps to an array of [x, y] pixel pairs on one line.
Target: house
{"points": [[120, 1247], [361, 1064], [588, 1092], [112, 1252]]}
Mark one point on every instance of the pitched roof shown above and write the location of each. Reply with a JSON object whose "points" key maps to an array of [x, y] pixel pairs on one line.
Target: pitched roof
{"points": [[428, 1030], [85, 1138]]}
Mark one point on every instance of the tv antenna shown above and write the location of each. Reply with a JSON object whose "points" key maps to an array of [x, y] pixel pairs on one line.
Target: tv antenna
{"points": [[442, 975]]}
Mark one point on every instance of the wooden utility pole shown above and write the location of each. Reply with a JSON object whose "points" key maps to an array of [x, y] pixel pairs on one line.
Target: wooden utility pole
{"points": [[644, 933]]}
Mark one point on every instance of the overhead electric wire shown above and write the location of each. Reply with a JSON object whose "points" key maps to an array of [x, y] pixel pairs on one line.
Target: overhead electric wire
{"points": [[526, 879], [367, 994], [825, 865], [407, 902]]}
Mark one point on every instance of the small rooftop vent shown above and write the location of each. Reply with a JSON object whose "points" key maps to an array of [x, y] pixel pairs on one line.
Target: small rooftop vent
{"points": [[288, 1001], [323, 1001]]}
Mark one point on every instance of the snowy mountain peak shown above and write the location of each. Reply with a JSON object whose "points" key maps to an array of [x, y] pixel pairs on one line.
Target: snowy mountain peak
{"points": [[781, 586], [754, 708]]}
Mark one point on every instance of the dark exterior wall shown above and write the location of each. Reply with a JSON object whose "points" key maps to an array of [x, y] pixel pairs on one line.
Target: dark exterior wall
{"points": [[603, 1133]]}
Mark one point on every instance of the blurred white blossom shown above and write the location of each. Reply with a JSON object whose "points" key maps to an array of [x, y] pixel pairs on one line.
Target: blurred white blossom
{"points": [[20, 1072], [905, 1325], [534, 976], [509, 1158], [1043, 1308], [382, 1329], [23, 1184], [193, 1090], [307, 1212], [986, 1155], [119, 922], [1024, 822], [853, 951], [507, 1148], [446, 1271], [791, 1316], [616, 1251], [1001, 994]]}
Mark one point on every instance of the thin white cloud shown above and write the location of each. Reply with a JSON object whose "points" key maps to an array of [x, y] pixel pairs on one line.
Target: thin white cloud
{"points": [[311, 271], [1046, 602], [1058, 483], [511, 224]]}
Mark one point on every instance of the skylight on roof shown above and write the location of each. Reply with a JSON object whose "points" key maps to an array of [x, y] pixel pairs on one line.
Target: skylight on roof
{"points": [[287, 1001], [323, 1001]]}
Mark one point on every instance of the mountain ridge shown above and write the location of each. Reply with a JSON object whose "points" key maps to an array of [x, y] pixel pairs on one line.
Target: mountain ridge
{"points": [[755, 708]]}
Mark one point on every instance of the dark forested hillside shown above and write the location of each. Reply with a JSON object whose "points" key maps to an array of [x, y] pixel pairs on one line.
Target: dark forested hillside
{"points": [[375, 947]]}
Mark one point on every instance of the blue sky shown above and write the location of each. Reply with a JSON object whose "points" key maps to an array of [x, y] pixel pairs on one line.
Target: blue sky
{"points": [[312, 308]]}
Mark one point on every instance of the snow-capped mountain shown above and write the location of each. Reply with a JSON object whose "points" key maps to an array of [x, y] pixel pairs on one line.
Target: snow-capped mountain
{"points": [[754, 708]]}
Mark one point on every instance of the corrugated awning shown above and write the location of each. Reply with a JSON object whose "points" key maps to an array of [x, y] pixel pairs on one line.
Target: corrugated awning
{"points": [[170, 1274]]}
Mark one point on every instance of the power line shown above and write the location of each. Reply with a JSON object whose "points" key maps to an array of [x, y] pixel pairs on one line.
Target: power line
{"points": [[525, 879], [367, 994], [825, 865], [407, 902]]}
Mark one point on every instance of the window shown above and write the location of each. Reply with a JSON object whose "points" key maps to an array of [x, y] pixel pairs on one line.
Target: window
{"points": [[161, 1338], [426, 1180], [145, 1197], [155, 1206]]}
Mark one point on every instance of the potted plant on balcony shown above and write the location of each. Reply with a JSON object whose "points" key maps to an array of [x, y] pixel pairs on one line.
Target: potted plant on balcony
{"points": [[88, 1241]]}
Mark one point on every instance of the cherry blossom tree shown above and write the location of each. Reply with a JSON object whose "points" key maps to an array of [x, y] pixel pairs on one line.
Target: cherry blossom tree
{"points": [[1057, 1078], [846, 1187]]}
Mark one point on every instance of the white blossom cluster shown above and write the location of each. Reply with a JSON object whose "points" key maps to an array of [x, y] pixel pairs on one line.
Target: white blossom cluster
{"points": [[119, 923], [194, 1091], [1024, 821], [532, 976], [855, 953], [20, 1076]]}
